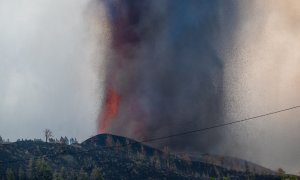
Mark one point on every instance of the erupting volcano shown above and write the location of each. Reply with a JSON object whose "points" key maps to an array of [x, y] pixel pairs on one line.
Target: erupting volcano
{"points": [[123, 34], [164, 72]]}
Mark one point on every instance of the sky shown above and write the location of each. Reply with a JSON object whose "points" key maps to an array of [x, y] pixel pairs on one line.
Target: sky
{"points": [[262, 76], [50, 75]]}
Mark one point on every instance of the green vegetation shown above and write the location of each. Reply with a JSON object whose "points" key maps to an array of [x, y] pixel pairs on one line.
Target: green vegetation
{"points": [[42, 170], [289, 177], [39, 169], [10, 175], [96, 174]]}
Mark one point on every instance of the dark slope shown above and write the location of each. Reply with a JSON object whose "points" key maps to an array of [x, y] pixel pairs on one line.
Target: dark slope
{"points": [[119, 142], [117, 161]]}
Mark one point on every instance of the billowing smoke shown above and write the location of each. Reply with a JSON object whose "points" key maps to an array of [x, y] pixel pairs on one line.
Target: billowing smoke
{"points": [[164, 72]]}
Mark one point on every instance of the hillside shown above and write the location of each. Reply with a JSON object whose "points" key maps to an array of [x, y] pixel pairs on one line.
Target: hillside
{"points": [[115, 159]]}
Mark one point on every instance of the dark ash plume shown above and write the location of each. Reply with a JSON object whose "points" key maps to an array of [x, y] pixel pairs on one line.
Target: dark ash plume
{"points": [[164, 71]]}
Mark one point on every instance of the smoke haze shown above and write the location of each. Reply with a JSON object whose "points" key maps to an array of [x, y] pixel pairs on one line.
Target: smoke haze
{"points": [[47, 74], [263, 76]]}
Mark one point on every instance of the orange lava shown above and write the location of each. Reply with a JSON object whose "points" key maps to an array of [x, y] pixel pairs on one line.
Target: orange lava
{"points": [[111, 108]]}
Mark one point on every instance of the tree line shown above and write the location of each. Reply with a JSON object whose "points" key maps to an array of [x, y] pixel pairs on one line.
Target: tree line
{"points": [[49, 138]]}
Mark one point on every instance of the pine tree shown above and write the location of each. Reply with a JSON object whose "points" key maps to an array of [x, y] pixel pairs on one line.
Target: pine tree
{"points": [[142, 153], [96, 174], [29, 170], [66, 140], [82, 175], [63, 173], [62, 140], [56, 176], [71, 140], [10, 175], [167, 155], [118, 145], [128, 148], [43, 170], [156, 160], [21, 174]]}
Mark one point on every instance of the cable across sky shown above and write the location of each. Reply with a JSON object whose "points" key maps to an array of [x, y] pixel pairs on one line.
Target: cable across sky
{"points": [[167, 136]]}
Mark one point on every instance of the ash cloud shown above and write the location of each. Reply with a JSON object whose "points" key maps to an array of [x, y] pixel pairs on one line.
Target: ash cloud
{"points": [[166, 65]]}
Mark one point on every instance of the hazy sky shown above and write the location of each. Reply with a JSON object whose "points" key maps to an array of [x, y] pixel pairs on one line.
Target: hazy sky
{"points": [[263, 75], [49, 75]]}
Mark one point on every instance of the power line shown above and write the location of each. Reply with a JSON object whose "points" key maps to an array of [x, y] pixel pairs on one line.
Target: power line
{"points": [[219, 125], [163, 137]]}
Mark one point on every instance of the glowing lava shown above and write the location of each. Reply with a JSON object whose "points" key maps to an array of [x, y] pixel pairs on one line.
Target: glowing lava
{"points": [[111, 108]]}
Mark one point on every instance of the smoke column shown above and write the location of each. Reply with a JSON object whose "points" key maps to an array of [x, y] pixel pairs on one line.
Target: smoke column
{"points": [[164, 70]]}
